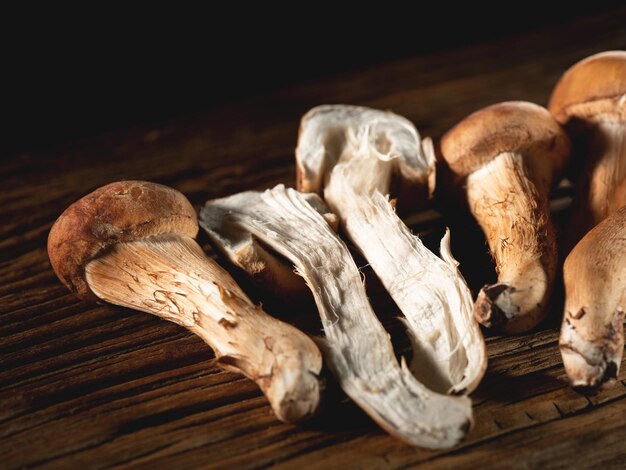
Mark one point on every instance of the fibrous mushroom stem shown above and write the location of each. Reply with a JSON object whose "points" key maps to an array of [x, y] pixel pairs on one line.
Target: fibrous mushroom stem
{"points": [[510, 201], [448, 349], [132, 243], [604, 171], [358, 170], [169, 276], [505, 158], [357, 347], [592, 333]]}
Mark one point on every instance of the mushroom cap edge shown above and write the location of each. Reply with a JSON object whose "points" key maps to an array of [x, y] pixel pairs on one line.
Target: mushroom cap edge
{"points": [[119, 212]]}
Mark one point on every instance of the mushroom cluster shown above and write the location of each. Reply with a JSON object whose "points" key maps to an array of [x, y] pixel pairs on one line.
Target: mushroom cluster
{"points": [[132, 244], [590, 101]]}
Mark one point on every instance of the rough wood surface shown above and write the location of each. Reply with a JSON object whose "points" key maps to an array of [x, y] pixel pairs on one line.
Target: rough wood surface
{"points": [[100, 386]]}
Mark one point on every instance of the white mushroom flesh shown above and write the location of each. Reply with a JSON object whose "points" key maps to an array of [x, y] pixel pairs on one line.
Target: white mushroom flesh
{"points": [[359, 151], [357, 347]]}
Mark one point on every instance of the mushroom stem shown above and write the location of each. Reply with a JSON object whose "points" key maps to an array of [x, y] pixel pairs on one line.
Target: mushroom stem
{"points": [[131, 244], [506, 157], [604, 170], [170, 277], [358, 172], [357, 347], [449, 353], [509, 199], [590, 101], [592, 333]]}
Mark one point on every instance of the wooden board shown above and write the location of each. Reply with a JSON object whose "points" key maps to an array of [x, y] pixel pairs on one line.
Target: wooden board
{"points": [[100, 386]]}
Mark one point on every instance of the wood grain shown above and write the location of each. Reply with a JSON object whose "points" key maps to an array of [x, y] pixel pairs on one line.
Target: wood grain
{"points": [[100, 386]]}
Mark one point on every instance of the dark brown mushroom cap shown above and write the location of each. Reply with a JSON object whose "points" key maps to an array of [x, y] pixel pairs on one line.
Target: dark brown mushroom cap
{"points": [[592, 86], [116, 213], [514, 126]]}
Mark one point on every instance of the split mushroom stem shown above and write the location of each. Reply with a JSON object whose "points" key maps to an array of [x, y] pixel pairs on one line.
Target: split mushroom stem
{"points": [[507, 156], [132, 244], [592, 334], [357, 347], [353, 155]]}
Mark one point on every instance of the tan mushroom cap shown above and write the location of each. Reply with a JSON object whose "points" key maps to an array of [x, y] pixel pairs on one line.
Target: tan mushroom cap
{"points": [[116, 213], [595, 85], [514, 126]]}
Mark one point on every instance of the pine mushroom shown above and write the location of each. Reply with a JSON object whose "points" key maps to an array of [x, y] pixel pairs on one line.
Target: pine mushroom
{"points": [[357, 347], [131, 243], [590, 101], [592, 333], [356, 157], [507, 157]]}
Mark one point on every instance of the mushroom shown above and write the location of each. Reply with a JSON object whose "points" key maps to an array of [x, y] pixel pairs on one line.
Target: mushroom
{"points": [[590, 101], [592, 333], [507, 157], [357, 348], [356, 156], [131, 243]]}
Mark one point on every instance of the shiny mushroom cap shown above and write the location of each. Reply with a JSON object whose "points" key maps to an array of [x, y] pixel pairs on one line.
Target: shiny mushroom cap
{"points": [[120, 212], [514, 126], [595, 86]]}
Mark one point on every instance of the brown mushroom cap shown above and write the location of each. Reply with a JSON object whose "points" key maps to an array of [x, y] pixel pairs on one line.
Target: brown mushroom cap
{"points": [[116, 213], [592, 86], [514, 126]]}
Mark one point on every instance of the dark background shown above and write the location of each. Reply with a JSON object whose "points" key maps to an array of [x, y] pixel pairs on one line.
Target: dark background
{"points": [[106, 70]]}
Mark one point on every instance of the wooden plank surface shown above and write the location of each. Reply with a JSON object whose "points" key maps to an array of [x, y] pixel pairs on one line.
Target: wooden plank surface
{"points": [[101, 386]]}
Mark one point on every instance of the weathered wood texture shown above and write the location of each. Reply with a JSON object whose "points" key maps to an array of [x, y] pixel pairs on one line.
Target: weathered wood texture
{"points": [[100, 386]]}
